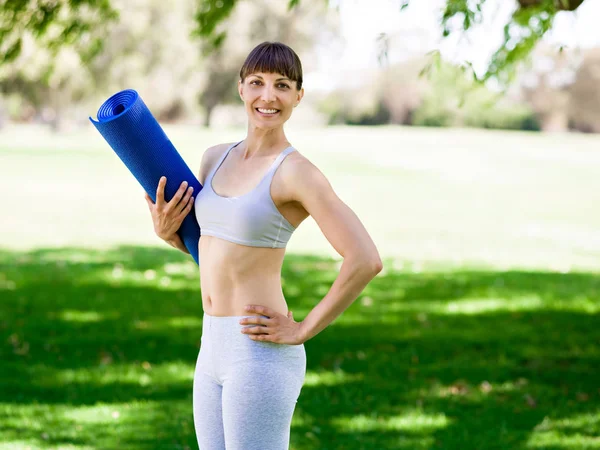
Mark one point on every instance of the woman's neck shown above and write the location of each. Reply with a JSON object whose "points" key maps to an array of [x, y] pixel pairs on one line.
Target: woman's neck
{"points": [[261, 142]]}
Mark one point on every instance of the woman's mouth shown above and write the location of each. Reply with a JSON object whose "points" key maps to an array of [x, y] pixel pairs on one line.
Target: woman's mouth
{"points": [[267, 112]]}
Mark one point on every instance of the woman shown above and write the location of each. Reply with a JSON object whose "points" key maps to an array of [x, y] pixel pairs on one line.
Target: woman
{"points": [[256, 192]]}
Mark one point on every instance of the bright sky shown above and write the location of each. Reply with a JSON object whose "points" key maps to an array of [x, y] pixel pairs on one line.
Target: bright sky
{"points": [[416, 31]]}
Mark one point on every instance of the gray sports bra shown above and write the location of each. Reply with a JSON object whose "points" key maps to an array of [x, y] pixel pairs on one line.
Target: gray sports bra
{"points": [[250, 219]]}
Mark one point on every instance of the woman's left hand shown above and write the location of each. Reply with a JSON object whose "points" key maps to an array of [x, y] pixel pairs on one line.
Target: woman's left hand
{"points": [[275, 327]]}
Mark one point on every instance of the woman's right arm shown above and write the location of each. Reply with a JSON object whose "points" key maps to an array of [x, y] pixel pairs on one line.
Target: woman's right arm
{"points": [[177, 243], [168, 216]]}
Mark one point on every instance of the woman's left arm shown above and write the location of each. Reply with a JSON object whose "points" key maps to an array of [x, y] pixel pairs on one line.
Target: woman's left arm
{"points": [[345, 232]]}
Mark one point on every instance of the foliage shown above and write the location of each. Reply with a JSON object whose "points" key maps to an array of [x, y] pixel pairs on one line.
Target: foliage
{"points": [[530, 21], [76, 20], [401, 94], [355, 106], [454, 99], [54, 24], [209, 15], [167, 72], [41, 83], [520, 38], [135, 54], [484, 109]]}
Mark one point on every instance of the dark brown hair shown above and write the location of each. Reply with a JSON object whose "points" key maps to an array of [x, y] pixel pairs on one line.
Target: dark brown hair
{"points": [[273, 57]]}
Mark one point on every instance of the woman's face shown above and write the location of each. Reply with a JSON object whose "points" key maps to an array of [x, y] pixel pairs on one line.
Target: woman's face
{"points": [[269, 98]]}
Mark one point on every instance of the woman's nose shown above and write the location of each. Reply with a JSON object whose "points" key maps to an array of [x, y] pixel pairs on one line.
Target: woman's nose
{"points": [[268, 94]]}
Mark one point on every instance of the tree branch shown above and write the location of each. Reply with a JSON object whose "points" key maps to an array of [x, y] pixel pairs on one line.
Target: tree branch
{"points": [[559, 5]]}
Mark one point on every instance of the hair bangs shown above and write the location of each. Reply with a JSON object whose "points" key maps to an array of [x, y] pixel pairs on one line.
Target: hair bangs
{"points": [[273, 57]]}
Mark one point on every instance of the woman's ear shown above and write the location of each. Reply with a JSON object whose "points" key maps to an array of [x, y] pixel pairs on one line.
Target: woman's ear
{"points": [[299, 96], [241, 89]]}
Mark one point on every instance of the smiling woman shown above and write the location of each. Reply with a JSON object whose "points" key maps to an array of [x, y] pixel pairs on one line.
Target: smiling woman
{"points": [[271, 67], [252, 362]]}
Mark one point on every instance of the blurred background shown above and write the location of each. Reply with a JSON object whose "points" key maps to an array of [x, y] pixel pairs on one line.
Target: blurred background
{"points": [[387, 63], [462, 133]]}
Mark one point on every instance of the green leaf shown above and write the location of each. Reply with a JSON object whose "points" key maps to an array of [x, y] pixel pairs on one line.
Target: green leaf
{"points": [[14, 50]]}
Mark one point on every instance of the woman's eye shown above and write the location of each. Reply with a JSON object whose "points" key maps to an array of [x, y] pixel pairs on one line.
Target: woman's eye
{"points": [[281, 85]]}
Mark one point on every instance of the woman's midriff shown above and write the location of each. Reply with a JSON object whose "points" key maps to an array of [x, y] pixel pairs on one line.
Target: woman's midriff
{"points": [[233, 276]]}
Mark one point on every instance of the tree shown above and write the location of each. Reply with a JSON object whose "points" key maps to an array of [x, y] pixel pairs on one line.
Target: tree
{"points": [[546, 87], [61, 22], [53, 84], [531, 20], [584, 113], [54, 24]]}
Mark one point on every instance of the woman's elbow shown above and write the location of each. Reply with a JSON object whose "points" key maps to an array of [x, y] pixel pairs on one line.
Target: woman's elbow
{"points": [[368, 263], [372, 264], [376, 265]]}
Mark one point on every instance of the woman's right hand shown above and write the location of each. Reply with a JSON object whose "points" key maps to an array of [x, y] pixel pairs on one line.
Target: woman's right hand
{"points": [[167, 216]]}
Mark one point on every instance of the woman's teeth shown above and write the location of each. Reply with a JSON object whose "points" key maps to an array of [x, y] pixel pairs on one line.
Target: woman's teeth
{"points": [[267, 111]]}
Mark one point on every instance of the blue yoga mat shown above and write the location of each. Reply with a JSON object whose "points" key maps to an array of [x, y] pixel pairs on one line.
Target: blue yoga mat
{"points": [[136, 137]]}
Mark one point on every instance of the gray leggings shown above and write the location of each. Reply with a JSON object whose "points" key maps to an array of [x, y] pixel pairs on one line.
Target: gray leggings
{"points": [[245, 391]]}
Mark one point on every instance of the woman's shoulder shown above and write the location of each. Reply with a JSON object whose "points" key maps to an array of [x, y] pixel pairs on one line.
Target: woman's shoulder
{"points": [[218, 149], [301, 180], [298, 167], [210, 157], [298, 163]]}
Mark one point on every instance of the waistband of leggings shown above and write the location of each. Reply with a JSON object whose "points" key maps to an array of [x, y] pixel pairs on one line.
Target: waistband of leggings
{"points": [[228, 329], [226, 318], [224, 323]]}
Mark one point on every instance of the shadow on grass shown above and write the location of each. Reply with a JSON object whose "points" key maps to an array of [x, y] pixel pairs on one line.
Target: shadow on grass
{"points": [[98, 349]]}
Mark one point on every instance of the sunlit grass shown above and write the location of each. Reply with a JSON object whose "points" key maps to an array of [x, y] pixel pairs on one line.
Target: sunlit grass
{"points": [[414, 421], [62, 426], [484, 305], [140, 373], [330, 378], [577, 431], [82, 316]]}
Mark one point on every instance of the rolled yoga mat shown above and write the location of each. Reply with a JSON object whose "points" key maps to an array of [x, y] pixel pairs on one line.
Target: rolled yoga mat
{"points": [[126, 123]]}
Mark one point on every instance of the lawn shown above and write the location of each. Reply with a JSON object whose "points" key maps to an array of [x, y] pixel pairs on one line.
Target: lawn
{"points": [[482, 332]]}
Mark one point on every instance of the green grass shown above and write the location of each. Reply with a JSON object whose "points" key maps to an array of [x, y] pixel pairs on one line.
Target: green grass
{"points": [[99, 349], [481, 333]]}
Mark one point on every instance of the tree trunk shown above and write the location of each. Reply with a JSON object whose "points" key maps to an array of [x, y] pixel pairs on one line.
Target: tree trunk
{"points": [[208, 112], [555, 121]]}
